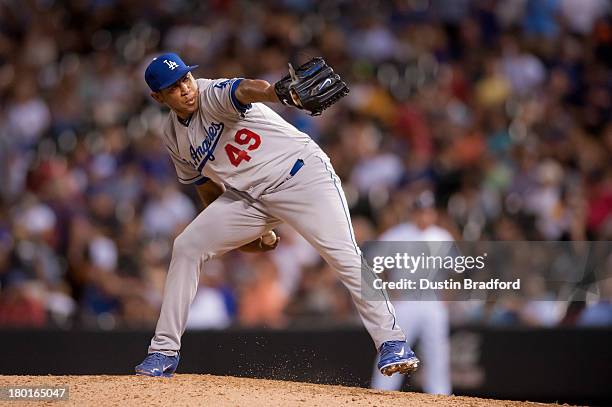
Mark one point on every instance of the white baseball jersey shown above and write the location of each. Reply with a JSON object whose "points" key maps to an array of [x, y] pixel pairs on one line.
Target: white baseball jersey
{"points": [[246, 147], [423, 320], [409, 232]]}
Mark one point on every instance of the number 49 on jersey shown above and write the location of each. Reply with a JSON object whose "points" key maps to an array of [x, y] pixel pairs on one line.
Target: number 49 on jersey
{"points": [[243, 137]]}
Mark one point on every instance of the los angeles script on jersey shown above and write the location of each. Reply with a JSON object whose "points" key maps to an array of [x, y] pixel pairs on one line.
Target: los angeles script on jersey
{"points": [[204, 151]]}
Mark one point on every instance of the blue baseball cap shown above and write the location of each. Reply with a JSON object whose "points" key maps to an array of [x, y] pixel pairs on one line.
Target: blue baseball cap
{"points": [[164, 70]]}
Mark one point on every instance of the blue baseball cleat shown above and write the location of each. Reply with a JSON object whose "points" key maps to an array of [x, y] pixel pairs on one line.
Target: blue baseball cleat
{"points": [[158, 364], [396, 357]]}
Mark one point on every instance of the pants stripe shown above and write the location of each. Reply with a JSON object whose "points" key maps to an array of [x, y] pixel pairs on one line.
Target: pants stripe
{"points": [[351, 233], [343, 208]]}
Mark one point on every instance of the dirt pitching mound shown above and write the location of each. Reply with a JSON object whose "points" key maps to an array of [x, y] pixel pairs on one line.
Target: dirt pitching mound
{"points": [[207, 390]]}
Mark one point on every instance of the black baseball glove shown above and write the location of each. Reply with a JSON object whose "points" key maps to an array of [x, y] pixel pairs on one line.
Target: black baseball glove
{"points": [[313, 87]]}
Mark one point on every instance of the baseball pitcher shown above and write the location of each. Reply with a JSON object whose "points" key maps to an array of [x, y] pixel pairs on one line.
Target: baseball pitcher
{"points": [[253, 171]]}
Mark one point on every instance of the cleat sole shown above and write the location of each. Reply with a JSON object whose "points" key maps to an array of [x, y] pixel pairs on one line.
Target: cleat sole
{"points": [[407, 367], [153, 375], [156, 374]]}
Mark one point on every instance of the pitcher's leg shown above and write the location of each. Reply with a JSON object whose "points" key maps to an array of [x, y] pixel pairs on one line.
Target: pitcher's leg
{"points": [[314, 204], [229, 222], [410, 322]]}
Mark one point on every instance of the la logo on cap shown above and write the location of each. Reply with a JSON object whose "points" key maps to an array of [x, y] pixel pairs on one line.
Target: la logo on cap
{"points": [[171, 64], [165, 70]]}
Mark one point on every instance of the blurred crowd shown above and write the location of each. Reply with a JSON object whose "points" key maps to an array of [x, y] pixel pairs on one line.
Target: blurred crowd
{"points": [[501, 108]]}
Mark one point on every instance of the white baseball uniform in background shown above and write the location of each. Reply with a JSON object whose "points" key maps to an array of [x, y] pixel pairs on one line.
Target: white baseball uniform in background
{"points": [[273, 173], [423, 320]]}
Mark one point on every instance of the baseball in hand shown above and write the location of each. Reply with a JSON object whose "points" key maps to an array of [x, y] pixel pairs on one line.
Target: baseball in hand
{"points": [[269, 238]]}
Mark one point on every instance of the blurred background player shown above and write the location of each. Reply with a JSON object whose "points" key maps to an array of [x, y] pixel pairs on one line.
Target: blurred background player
{"points": [[425, 320]]}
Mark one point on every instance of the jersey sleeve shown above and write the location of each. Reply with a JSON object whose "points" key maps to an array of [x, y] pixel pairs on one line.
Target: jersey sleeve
{"points": [[219, 96], [185, 171]]}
